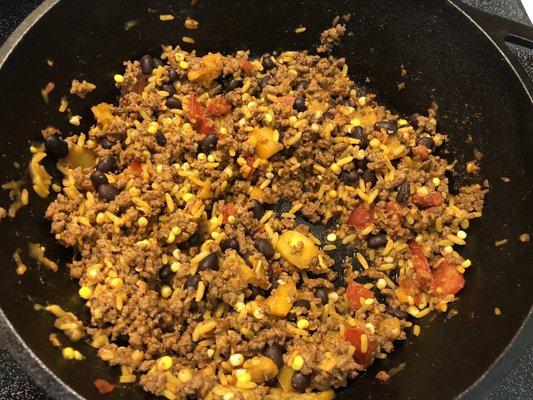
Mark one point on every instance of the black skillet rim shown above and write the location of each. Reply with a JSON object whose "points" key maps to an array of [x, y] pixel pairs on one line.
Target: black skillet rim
{"points": [[55, 387]]}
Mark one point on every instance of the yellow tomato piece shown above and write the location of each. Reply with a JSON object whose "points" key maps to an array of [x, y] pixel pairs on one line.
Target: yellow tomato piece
{"points": [[261, 369], [102, 113], [297, 248], [266, 142], [210, 69]]}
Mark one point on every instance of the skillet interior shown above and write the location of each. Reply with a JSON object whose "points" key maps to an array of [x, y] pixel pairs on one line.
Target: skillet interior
{"points": [[448, 61]]}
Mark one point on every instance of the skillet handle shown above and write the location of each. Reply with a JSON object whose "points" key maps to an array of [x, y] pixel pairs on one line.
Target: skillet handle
{"points": [[500, 29]]}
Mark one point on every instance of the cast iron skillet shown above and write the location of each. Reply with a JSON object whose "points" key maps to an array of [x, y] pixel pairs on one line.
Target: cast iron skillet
{"points": [[454, 55]]}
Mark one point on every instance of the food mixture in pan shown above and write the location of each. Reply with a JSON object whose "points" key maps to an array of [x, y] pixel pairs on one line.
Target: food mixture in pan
{"points": [[192, 206]]}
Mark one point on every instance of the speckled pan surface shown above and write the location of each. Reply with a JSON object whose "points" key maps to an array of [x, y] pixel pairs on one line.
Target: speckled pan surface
{"points": [[14, 384]]}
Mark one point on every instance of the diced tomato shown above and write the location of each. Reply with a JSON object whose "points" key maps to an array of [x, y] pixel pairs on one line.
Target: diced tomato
{"points": [[431, 200], [421, 151], [206, 126], [421, 266], [227, 210], [246, 66], [195, 110], [218, 106], [103, 386], [410, 287], [448, 279], [356, 294], [360, 217], [136, 167], [353, 335]]}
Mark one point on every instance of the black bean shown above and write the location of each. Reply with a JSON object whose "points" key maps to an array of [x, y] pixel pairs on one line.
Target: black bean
{"points": [[267, 62], [265, 80], [350, 177], [328, 115], [56, 147], [158, 62], [107, 164], [413, 120], [258, 209], [107, 192], [193, 281], [396, 313], [403, 192], [265, 247], [169, 89], [361, 164], [98, 178], [300, 382], [160, 139], [208, 144], [230, 84], [427, 142], [172, 102], [301, 84], [230, 243], [147, 64], [209, 262], [376, 241], [369, 176], [256, 291], [272, 382], [275, 353], [391, 127], [173, 75], [359, 133], [299, 104], [322, 294], [302, 303], [196, 239], [165, 274], [122, 340], [107, 143]]}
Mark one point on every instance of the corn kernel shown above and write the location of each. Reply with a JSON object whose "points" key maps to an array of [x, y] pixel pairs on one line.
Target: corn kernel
{"points": [[231, 219], [142, 222], [381, 283], [201, 156], [153, 127], [165, 363], [335, 168], [236, 360], [175, 266], [297, 363], [422, 191], [183, 64], [461, 234], [116, 283], [302, 324], [244, 377], [448, 249], [78, 356], [333, 296], [465, 224], [166, 291], [68, 353], [100, 218], [436, 181], [331, 237], [355, 122], [188, 197], [402, 122], [374, 142], [118, 78], [85, 292]]}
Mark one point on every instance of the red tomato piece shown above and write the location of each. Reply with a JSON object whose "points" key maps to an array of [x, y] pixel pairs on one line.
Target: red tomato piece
{"points": [[195, 110], [353, 335], [360, 217], [356, 294], [448, 279], [421, 266], [227, 210], [218, 106], [206, 126], [392, 207], [136, 167], [410, 285], [421, 151], [103, 386], [431, 200]]}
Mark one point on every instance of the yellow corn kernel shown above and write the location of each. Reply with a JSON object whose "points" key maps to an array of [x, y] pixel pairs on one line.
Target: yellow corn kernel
{"points": [[297, 363], [85, 292], [116, 283], [164, 363], [302, 323]]}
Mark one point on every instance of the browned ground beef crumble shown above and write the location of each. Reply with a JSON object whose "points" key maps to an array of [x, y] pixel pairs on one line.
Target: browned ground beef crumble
{"points": [[189, 204]]}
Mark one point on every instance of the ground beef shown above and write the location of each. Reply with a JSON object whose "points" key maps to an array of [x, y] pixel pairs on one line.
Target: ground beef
{"points": [[81, 89]]}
